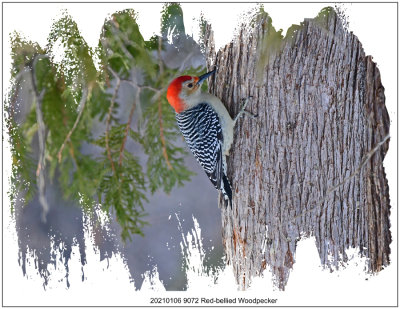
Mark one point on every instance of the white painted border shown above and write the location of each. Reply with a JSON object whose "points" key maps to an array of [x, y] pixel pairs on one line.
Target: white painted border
{"points": [[374, 24]]}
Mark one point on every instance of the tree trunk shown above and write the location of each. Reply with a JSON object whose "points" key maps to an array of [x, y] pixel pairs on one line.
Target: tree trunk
{"points": [[311, 163]]}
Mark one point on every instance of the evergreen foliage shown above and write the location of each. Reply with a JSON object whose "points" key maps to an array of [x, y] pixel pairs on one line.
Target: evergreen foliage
{"points": [[80, 90]]}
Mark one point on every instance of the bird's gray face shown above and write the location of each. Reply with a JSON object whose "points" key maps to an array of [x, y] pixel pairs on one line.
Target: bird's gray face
{"points": [[191, 88]]}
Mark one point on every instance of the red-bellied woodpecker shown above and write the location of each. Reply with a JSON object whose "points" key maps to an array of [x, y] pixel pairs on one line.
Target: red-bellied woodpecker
{"points": [[206, 126]]}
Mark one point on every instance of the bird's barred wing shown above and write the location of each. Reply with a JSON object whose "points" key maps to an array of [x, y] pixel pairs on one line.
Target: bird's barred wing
{"points": [[201, 128]]}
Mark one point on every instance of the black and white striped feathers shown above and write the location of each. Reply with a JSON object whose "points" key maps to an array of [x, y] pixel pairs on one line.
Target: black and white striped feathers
{"points": [[201, 128]]}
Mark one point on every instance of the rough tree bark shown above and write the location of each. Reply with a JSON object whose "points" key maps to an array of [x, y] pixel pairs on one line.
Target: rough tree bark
{"points": [[311, 164]]}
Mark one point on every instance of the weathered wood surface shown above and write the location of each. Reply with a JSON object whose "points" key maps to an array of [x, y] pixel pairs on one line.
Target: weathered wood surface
{"points": [[311, 164]]}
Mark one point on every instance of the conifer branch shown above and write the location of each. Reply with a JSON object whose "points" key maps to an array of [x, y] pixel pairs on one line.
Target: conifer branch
{"points": [[11, 109], [132, 83], [119, 79], [160, 119], [157, 95], [151, 88], [109, 121], [40, 176], [164, 147], [117, 35], [160, 62], [114, 73], [82, 103], [121, 186], [128, 125]]}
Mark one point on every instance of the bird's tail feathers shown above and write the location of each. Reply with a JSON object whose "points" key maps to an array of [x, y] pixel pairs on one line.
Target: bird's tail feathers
{"points": [[226, 191]]}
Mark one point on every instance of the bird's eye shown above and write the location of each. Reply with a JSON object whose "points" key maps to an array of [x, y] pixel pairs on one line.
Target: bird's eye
{"points": [[190, 85]]}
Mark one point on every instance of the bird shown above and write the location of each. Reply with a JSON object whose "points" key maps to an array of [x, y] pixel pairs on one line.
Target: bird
{"points": [[206, 127]]}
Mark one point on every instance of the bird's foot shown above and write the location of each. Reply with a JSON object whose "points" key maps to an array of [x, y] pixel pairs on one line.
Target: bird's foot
{"points": [[243, 111]]}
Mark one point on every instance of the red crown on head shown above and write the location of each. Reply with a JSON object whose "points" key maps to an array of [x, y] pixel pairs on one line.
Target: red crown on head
{"points": [[173, 91]]}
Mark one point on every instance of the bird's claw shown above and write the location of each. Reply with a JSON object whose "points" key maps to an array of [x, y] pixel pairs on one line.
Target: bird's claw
{"points": [[243, 111]]}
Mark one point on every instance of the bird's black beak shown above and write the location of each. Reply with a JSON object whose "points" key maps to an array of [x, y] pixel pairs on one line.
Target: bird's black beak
{"points": [[203, 77]]}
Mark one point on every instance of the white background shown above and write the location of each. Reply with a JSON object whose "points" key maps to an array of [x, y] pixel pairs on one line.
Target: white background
{"points": [[376, 27]]}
